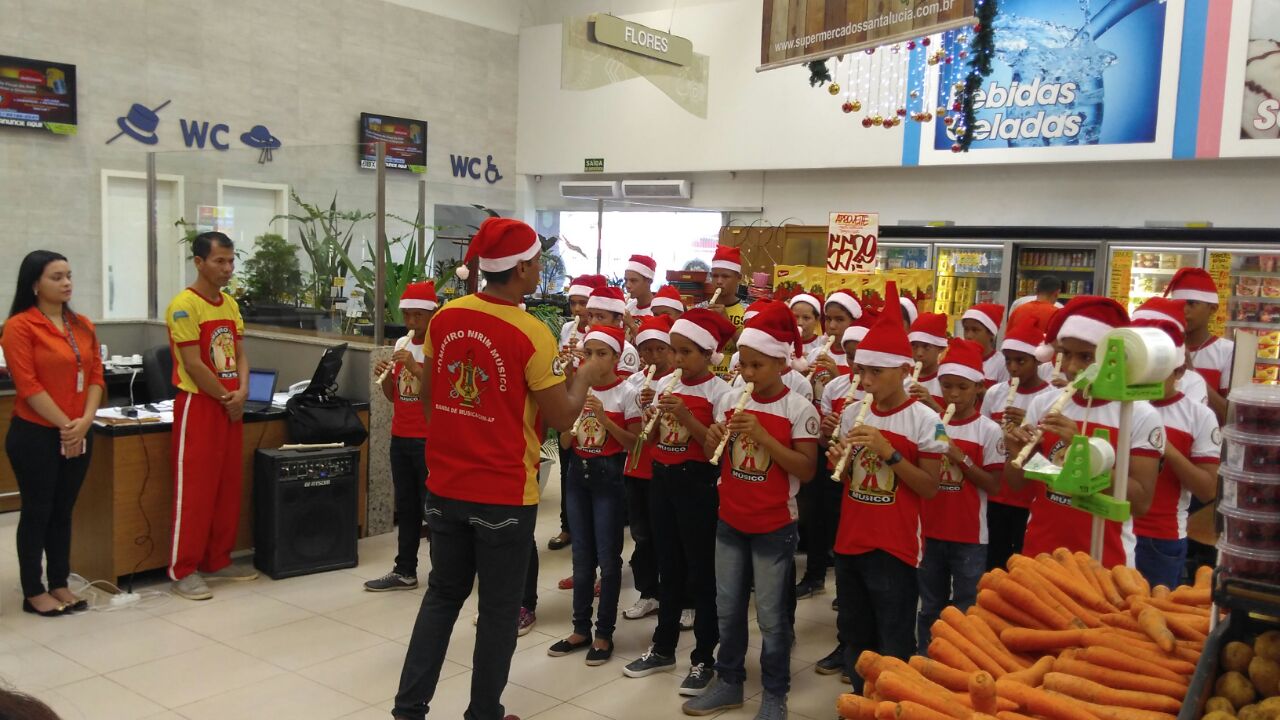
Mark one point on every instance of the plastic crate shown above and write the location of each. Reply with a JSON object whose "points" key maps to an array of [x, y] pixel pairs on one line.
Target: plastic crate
{"points": [[1254, 609]]}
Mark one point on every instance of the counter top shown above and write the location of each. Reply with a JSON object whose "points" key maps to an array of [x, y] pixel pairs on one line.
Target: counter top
{"points": [[127, 427]]}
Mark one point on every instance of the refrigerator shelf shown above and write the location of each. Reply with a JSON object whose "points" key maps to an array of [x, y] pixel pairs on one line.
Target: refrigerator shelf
{"points": [[1266, 361], [1253, 325], [1254, 273], [969, 275], [1152, 271], [1254, 299], [1052, 268]]}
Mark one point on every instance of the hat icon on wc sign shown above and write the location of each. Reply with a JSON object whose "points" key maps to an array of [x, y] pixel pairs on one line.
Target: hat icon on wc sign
{"points": [[260, 137], [140, 124]]}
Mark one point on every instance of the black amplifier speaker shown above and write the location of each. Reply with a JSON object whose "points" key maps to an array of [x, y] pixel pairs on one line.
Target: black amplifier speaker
{"points": [[304, 514]]}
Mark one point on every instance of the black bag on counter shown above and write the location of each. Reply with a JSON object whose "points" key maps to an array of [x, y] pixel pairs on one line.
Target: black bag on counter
{"points": [[315, 419]]}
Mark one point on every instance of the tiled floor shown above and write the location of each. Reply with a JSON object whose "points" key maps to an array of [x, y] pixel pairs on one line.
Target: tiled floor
{"points": [[318, 647]]}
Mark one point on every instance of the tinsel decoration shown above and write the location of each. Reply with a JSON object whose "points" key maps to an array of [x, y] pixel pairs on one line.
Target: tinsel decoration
{"points": [[981, 53], [819, 73]]}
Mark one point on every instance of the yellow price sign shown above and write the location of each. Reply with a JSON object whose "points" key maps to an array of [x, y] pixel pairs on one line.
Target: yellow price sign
{"points": [[1121, 276], [1220, 271]]}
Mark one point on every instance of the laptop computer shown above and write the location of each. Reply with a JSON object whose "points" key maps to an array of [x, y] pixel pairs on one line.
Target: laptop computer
{"points": [[262, 388]]}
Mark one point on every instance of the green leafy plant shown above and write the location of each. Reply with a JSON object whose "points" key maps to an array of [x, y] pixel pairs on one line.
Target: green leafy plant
{"points": [[398, 274], [550, 315], [272, 274], [326, 236]]}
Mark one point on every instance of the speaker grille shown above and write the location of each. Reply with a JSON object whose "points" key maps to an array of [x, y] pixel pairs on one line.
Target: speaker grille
{"points": [[307, 523]]}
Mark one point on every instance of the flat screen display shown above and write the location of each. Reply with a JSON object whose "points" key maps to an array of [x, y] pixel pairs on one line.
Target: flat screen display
{"points": [[37, 94], [406, 142]]}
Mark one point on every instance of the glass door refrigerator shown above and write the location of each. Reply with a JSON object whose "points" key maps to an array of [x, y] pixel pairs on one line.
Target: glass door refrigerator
{"points": [[904, 256], [967, 274], [1136, 273], [1248, 281], [1074, 263]]}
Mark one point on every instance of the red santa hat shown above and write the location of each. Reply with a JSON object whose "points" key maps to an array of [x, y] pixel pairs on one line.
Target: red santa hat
{"points": [[668, 297], [654, 327], [845, 299], [1193, 284], [858, 330], [608, 299], [963, 359], [751, 312], [1088, 318], [420, 296], [727, 258], [611, 336], [500, 244], [909, 307], [807, 299], [706, 329], [1026, 336], [930, 329], [989, 314], [1165, 314], [584, 285], [644, 265], [886, 344], [772, 331]]}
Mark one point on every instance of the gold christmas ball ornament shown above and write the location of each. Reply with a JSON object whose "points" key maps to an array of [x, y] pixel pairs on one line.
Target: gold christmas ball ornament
{"points": [[877, 120], [857, 105], [834, 88], [933, 59]]}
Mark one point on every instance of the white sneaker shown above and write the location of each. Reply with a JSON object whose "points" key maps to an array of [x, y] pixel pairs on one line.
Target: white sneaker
{"points": [[642, 608], [686, 619], [192, 587]]}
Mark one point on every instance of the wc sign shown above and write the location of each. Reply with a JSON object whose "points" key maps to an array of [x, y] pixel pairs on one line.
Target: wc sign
{"points": [[465, 166], [142, 124]]}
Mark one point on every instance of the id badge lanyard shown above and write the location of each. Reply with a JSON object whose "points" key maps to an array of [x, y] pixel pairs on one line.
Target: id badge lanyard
{"points": [[75, 348]]}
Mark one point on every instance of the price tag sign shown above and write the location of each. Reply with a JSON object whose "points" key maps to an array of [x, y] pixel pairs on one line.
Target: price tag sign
{"points": [[852, 242], [1121, 276], [1220, 271]]}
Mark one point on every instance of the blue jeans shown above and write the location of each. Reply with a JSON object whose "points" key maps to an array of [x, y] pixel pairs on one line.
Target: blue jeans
{"points": [[878, 594], [949, 574], [766, 557], [597, 503], [1161, 562]]}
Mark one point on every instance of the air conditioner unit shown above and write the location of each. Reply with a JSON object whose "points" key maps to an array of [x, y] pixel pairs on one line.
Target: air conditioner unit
{"points": [[650, 189], [591, 189]]}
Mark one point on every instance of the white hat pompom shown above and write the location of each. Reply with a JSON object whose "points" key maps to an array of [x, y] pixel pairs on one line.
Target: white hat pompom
{"points": [[799, 364], [1045, 353], [717, 358], [463, 272]]}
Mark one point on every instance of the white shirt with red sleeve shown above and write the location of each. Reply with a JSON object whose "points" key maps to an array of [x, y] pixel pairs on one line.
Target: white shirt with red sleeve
{"points": [[958, 513], [633, 307], [993, 406], [930, 383], [995, 369], [878, 512], [407, 419], [593, 440], [821, 377], [675, 443], [634, 413], [1053, 522], [756, 494], [1192, 428], [1194, 386], [834, 394], [794, 381], [1213, 361]]}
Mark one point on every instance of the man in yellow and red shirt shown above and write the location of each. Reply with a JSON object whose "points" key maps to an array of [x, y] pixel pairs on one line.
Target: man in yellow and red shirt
{"points": [[211, 374], [492, 379]]}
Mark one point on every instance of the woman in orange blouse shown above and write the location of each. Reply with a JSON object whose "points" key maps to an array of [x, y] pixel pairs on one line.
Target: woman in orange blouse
{"points": [[54, 360]]}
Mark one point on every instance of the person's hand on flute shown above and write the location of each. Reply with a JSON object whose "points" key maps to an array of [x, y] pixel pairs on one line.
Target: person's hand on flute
{"points": [[827, 432]]}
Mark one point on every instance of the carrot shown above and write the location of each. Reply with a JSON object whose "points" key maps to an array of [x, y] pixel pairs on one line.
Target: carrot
{"points": [[994, 603], [992, 621], [944, 675], [982, 692], [1039, 702], [945, 652], [894, 686], [1009, 715], [1123, 661], [1074, 606], [1090, 691], [1119, 679], [969, 630], [1085, 591], [869, 690], [865, 662], [856, 707], [1160, 591], [1169, 605], [1111, 712], [1044, 589], [908, 710], [1034, 675], [1041, 641], [979, 656], [1082, 562], [990, 578], [979, 623], [1109, 589], [886, 710], [1127, 581], [1186, 629], [1094, 638], [1204, 581], [1024, 597]]}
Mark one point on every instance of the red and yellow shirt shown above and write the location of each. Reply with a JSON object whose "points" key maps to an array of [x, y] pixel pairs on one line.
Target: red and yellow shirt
{"points": [[407, 420], [215, 326], [958, 513], [40, 359], [486, 358]]}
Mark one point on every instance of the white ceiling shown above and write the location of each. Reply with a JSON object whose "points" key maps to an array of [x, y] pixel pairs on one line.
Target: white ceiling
{"points": [[510, 15]]}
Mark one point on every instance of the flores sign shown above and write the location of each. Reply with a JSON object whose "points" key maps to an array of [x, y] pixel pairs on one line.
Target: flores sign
{"points": [[852, 242], [638, 39], [798, 31]]}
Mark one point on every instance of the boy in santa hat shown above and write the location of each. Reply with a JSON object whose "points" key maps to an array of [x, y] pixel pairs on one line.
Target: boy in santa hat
{"points": [[807, 310], [667, 301], [1075, 332], [726, 276], [839, 312], [1211, 356], [910, 313], [607, 307], [638, 279], [928, 336], [771, 449], [895, 456], [1023, 349], [981, 324], [955, 520], [1191, 456], [683, 499]]}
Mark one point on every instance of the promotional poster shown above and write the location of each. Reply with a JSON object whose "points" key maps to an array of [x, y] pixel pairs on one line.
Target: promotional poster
{"points": [[38, 94], [1260, 114], [406, 142]]}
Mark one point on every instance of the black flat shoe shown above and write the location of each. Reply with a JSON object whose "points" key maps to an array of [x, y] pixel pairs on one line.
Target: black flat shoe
{"points": [[598, 656], [78, 606], [27, 607], [564, 647]]}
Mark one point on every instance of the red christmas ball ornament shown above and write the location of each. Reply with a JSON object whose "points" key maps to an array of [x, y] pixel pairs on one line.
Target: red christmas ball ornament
{"points": [[866, 122], [925, 42], [890, 123], [871, 51], [911, 44], [964, 54], [948, 120], [902, 112], [947, 60], [956, 148], [977, 27], [957, 107], [847, 107]]}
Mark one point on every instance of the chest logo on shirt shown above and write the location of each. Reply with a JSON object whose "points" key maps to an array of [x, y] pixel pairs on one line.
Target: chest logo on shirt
{"points": [[951, 477], [1215, 436], [591, 435], [873, 482], [675, 436], [222, 352], [1156, 438], [749, 461], [408, 386], [629, 360], [467, 381]]}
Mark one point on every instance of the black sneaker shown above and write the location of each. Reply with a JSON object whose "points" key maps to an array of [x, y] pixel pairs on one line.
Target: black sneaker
{"points": [[808, 588], [697, 680], [831, 664], [597, 656], [565, 647], [648, 663], [392, 581]]}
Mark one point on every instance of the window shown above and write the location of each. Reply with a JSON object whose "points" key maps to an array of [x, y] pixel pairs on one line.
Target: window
{"points": [[671, 238]]}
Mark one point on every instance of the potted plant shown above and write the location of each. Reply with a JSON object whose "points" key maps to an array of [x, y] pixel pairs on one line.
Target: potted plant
{"points": [[326, 236], [398, 275], [273, 282]]}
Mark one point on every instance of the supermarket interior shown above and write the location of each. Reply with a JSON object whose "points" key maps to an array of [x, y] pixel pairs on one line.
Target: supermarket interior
{"points": [[587, 360]]}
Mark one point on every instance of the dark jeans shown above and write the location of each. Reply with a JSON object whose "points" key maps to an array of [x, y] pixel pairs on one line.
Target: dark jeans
{"points": [[877, 609], [949, 575], [566, 457], [819, 505], [1161, 562], [1006, 528], [597, 509], [683, 507], [48, 484], [766, 557], [530, 599], [409, 476], [644, 562], [469, 540]]}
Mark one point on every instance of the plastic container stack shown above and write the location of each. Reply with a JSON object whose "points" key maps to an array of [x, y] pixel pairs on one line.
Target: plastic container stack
{"points": [[1249, 503]]}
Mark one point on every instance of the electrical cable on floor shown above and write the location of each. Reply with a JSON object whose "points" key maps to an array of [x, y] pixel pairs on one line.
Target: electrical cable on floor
{"points": [[145, 538], [145, 600]]}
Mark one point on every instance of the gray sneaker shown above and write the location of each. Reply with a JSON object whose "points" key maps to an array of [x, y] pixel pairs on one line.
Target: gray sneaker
{"points": [[772, 707], [392, 581], [235, 573], [718, 696], [192, 587]]}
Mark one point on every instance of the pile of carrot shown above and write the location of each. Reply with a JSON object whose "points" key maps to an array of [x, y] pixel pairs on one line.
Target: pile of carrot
{"points": [[1055, 637]]}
